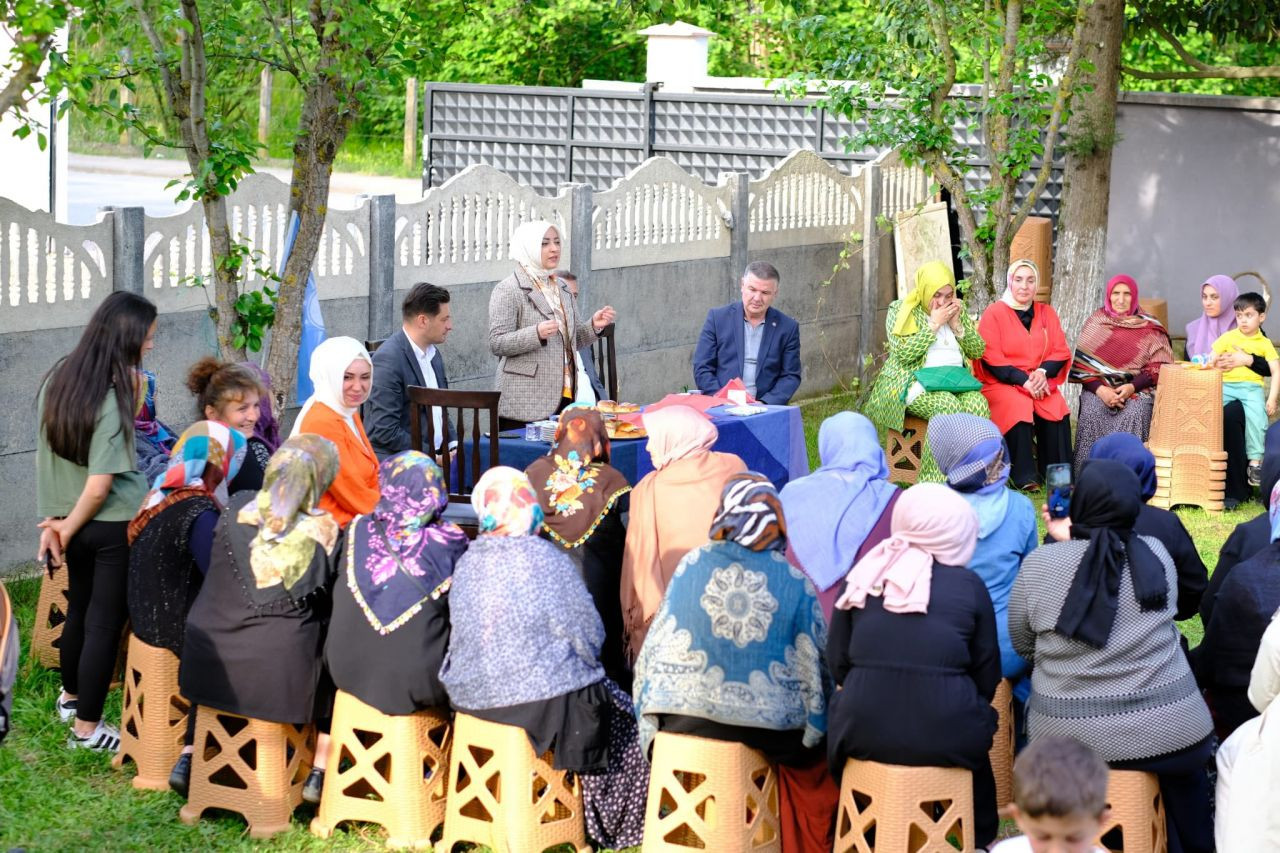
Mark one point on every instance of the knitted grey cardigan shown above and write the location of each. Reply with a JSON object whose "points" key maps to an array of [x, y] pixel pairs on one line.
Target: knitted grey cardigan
{"points": [[1136, 697]]}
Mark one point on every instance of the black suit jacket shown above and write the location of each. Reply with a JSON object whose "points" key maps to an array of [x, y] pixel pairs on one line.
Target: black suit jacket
{"points": [[386, 419]]}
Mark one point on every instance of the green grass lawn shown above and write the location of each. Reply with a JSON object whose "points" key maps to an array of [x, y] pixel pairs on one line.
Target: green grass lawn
{"points": [[53, 798]]}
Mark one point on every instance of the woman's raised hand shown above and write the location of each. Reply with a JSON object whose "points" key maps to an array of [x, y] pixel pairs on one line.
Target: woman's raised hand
{"points": [[547, 328], [603, 317], [942, 315]]}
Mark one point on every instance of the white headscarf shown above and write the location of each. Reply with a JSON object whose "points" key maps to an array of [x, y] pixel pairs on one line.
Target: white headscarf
{"points": [[526, 247], [1007, 298], [328, 362]]}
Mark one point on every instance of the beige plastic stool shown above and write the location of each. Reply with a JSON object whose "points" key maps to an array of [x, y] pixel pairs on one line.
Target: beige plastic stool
{"points": [[1137, 810], [503, 796], [1002, 746], [905, 448], [886, 808], [384, 769], [710, 794], [154, 719], [248, 766], [51, 612]]}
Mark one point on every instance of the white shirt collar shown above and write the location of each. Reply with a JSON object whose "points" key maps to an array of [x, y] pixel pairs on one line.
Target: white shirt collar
{"points": [[423, 355]]}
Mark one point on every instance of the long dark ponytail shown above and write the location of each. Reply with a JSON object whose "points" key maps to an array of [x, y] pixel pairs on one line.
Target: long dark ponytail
{"points": [[107, 356]]}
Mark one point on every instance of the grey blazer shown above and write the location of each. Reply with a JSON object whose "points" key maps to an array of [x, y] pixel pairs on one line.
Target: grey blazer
{"points": [[530, 370], [386, 417]]}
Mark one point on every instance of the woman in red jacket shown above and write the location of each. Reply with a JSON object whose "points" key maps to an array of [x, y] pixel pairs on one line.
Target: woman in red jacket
{"points": [[342, 374], [1024, 365]]}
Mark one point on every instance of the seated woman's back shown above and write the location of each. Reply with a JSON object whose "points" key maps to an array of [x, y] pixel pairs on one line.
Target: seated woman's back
{"points": [[523, 626], [390, 625]]}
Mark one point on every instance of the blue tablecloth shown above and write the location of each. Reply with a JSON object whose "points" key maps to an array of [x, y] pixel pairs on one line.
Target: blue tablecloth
{"points": [[771, 443]]}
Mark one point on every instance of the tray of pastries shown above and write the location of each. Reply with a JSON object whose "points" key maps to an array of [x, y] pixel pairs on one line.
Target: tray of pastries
{"points": [[624, 430], [610, 407]]}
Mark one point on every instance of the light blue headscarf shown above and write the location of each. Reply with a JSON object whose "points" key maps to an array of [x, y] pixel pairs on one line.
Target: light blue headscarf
{"points": [[830, 512]]}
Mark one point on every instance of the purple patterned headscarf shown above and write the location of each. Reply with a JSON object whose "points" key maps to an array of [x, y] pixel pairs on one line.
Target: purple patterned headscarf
{"points": [[1204, 330], [267, 430], [401, 555]]}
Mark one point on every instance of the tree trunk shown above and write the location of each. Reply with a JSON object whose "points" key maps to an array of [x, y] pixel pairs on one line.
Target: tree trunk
{"points": [[327, 114], [1091, 135], [226, 282]]}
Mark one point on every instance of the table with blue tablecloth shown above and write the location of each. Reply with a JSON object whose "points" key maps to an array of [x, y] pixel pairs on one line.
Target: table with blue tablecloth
{"points": [[771, 443]]}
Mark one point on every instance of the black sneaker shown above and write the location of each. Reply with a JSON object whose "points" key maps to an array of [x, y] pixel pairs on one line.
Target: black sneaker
{"points": [[313, 787], [1230, 504], [1255, 473], [180, 776]]}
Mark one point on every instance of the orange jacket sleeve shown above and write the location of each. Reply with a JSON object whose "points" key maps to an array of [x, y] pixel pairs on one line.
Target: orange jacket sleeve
{"points": [[355, 490]]}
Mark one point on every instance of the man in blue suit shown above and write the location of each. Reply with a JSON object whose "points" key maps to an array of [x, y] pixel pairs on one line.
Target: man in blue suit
{"points": [[751, 341], [409, 357]]}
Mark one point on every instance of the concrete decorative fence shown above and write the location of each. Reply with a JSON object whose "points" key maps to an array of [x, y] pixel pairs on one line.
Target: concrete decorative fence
{"points": [[661, 246]]}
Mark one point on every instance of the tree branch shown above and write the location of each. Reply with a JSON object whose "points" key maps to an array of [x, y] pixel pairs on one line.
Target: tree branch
{"points": [[1202, 70], [942, 32], [17, 91]]}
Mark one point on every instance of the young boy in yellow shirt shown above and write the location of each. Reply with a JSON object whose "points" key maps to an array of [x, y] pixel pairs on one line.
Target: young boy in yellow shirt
{"points": [[1241, 383]]}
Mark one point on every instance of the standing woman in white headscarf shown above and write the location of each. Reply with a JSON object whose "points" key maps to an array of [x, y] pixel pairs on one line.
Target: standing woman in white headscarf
{"points": [[342, 374], [535, 330]]}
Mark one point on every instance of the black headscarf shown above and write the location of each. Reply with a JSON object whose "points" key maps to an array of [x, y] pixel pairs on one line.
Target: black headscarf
{"points": [[1270, 464], [1104, 506]]}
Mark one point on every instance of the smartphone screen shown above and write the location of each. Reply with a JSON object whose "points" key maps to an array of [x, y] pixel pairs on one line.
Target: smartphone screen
{"points": [[1058, 487]]}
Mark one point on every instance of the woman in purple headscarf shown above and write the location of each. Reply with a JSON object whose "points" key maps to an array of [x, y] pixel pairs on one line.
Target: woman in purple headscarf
{"points": [[1217, 294]]}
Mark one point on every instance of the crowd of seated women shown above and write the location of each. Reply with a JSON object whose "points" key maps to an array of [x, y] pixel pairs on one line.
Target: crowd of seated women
{"points": [[839, 618]]}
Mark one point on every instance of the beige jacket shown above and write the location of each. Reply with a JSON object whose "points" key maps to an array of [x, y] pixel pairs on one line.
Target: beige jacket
{"points": [[530, 370]]}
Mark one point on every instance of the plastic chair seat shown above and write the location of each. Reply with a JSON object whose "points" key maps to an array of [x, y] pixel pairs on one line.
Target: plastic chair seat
{"points": [[153, 721], [887, 808], [1137, 811]]}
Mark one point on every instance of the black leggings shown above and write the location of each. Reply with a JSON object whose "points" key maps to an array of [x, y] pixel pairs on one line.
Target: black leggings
{"points": [[97, 560]]}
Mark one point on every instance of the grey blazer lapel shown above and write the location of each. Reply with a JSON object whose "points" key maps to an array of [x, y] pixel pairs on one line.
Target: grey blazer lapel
{"points": [[409, 355], [535, 295], [766, 339], [740, 317]]}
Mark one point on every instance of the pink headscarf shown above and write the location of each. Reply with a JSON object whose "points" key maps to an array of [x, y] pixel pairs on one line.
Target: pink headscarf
{"points": [[675, 432], [930, 522], [1203, 331], [1133, 289]]}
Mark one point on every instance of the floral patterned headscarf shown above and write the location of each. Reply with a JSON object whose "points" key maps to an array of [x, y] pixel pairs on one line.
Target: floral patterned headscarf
{"points": [[575, 484], [750, 514], [506, 503], [402, 554], [287, 514]]}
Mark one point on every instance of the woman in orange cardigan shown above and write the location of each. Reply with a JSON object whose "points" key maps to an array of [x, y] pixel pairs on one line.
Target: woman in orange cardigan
{"points": [[342, 374]]}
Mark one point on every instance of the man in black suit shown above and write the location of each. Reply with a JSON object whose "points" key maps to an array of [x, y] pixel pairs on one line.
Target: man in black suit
{"points": [[752, 341], [409, 357]]}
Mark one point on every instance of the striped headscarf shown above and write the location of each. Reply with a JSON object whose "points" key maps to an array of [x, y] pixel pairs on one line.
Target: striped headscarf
{"points": [[207, 456], [750, 514]]}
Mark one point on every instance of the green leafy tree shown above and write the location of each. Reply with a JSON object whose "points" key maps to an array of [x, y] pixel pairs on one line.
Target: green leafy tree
{"points": [[32, 26], [906, 64]]}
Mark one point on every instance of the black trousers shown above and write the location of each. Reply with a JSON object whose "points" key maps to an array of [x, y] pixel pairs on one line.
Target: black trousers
{"points": [[505, 424], [97, 560], [1034, 447], [1237, 485], [1184, 785]]}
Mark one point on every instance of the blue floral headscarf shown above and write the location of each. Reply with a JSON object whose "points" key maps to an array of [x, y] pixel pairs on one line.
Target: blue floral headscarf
{"points": [[402, 554]]}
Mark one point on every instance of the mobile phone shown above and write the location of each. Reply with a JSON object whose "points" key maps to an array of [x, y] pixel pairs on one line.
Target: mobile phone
{"points": [[1058, 486]]}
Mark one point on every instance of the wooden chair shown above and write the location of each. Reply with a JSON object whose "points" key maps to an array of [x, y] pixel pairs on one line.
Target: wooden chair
{"points": [[1137, 822], [372, 346], [153, 721], [605, 356], [712, 795], [887, 808], [459, 479]]}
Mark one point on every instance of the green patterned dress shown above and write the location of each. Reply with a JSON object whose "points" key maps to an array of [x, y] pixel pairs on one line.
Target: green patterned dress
{"points": [[887, 407]]}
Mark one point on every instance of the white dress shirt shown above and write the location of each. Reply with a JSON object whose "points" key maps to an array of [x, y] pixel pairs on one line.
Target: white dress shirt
{"points": [[429, 379]]}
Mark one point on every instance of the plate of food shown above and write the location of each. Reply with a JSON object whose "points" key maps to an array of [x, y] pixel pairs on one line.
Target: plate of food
{"points": [[623, 430], [610, 407]]}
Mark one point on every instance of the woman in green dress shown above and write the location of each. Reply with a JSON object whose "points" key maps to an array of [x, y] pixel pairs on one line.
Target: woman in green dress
{"points": [[932, 340]]}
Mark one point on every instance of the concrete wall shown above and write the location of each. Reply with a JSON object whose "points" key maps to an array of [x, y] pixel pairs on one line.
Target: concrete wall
{"points": [[1193, 193]]}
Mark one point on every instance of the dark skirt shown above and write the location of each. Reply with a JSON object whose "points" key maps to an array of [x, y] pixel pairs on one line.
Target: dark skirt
{"points": [[614, 799], [1096, 419], [573, 725]]}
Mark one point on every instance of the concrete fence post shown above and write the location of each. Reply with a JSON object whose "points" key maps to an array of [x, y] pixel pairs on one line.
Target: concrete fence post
{"points": [[739, 227], [872, 198], [382, 266], [128, 239], [581, 208]]}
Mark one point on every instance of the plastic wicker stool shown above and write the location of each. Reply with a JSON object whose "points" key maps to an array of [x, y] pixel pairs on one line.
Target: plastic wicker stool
{"points": [[154, 719], [248, 766], [710, 794], [51, 612], [1002, 746], [385, 769], [503, 796], [886, 808], [1137, 810], [905, 449]]}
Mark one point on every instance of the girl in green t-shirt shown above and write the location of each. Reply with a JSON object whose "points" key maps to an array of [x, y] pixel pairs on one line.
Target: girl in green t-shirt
{"points": [[87, 490]]}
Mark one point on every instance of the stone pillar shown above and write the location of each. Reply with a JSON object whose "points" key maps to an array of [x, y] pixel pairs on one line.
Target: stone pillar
{"points": [[382, 266], [739, 228], [871, 202], [128, 237], [581, 207]]}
